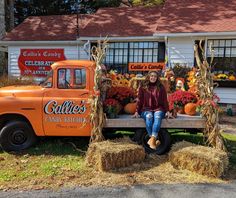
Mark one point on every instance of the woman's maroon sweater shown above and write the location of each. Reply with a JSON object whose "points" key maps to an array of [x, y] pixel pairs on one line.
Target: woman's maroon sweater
{"points": [[152, 99]]}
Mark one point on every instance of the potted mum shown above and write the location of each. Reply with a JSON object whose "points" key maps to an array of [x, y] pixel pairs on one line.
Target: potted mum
{"points": [[179, 99], [111, 108], [124, 95]]}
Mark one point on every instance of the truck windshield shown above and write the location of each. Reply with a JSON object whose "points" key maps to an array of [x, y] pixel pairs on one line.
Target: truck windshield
{"points": [[48, 81]]}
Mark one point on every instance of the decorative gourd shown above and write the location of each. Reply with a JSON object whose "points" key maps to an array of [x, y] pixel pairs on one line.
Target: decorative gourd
{"points": [[190, 109], [130, 108]]}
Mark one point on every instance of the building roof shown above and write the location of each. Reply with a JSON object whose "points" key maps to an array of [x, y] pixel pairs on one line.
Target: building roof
{"points": [[176, 16], [185, 16], [123, 22], [47, 28]]}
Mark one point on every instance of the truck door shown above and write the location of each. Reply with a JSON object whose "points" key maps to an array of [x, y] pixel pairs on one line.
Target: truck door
{"points": [[66, 108]]}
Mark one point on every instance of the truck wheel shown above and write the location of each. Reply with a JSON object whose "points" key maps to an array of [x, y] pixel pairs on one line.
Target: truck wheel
{"points": [[164, 138], [16, 136], [138, 136]]}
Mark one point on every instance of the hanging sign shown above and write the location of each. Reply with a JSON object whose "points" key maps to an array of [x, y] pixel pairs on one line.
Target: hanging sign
{"points": [[146, 66], [37, 62]]}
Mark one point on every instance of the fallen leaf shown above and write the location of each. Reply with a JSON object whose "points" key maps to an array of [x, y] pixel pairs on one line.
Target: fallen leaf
{"points": [[2, 158]]}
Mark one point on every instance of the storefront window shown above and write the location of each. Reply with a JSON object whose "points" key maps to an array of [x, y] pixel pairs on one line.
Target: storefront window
{"points": [[121, 53], [224, 55]]}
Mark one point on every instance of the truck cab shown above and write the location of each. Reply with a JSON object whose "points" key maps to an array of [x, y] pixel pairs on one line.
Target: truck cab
{"points": [[57, 107]]}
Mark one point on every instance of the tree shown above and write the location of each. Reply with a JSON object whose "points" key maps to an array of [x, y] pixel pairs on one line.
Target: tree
{"points": [[9, 15], [2, 34], [2, 18], [25, 8]]}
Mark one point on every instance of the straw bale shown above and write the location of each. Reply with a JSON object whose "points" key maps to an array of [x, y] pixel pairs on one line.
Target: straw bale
{"points": [[108, 155], [200, 159]]}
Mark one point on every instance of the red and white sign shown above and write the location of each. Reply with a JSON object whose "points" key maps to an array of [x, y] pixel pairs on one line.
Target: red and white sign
{"points": [[37, 62]]}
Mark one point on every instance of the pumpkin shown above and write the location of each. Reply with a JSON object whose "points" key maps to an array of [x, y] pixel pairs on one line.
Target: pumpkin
{"points": [[190, 108], [130, 108], [232, 77]]}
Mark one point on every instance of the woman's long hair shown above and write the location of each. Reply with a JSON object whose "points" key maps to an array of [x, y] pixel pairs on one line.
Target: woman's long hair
{"points": [[146, 82]]}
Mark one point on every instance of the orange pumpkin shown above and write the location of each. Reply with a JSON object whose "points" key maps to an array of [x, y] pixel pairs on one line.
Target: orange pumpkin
{"points": [[190, 108], [130, 108]]}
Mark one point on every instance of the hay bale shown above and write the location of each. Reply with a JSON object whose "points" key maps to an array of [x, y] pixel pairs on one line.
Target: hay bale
{"points": [[200, 159], [108, 155]]}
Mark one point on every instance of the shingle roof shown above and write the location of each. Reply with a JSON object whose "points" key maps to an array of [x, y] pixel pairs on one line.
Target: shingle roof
{"points": [[176, 16], [46, 28], [123, 22], [180, 16]]}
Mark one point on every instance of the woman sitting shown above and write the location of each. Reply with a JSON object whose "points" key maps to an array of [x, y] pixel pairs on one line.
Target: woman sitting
{"points": [[152, 106]]}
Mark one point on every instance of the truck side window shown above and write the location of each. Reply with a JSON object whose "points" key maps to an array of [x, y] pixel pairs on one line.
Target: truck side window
{"points": [[80, 78], [64, 78], [47, 83]]}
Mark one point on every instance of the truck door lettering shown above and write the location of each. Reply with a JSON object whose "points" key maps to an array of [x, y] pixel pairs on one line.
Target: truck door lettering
{"points": [[67, 107]]}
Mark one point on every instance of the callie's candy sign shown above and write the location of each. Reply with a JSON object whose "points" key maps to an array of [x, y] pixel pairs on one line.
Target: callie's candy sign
{"points": [[37, 62], [146, 66]]}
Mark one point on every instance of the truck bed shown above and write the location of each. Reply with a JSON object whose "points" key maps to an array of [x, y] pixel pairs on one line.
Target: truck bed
{"points": [[181, 122]]}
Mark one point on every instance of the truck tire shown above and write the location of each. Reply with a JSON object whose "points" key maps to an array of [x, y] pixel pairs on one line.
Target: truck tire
{"points": [[17, 136], [164, 138]]}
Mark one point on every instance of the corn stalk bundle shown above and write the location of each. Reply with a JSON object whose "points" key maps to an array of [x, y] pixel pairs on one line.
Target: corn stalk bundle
{"points": [[97, 116], [209, 107]]}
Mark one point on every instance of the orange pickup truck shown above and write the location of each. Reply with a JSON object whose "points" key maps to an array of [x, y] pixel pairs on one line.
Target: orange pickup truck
{"points": [[59, 107]]}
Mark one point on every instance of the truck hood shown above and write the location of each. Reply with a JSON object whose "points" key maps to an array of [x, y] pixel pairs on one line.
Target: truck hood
{"points": [[22, 91]]}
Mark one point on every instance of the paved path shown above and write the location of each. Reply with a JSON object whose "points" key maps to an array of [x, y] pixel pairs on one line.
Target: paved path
{"points": [[139, 191]]}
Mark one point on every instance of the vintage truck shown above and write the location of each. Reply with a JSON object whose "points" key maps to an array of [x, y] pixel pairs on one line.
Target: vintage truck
{"points": [[59, 107]]}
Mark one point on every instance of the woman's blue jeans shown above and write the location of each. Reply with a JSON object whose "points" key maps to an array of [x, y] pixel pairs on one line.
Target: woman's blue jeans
{"points": [[153, 121]]}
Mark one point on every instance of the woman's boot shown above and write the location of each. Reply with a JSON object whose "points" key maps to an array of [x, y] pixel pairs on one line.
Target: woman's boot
{"points": [[152, 143]]}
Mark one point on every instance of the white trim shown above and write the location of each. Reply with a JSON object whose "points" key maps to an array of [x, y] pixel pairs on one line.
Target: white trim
{"points": [[195, 34], [37, 43], [131, 38], [167, 51], [205, 47]]}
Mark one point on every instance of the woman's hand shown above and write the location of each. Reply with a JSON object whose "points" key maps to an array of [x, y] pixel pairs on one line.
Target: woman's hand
{"points": [[169, 115], [136, 115]]}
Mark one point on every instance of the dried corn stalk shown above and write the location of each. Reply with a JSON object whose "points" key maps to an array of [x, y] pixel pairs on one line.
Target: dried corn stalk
{"points": [[209, 108], [97, 116]]}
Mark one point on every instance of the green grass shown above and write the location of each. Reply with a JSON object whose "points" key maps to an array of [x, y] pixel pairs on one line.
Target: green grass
{"points": [[230, 143], [49, 159], [55, 161]]}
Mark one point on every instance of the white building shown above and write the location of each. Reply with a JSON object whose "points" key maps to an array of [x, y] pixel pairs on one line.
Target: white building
{"points": [[136, 35]]}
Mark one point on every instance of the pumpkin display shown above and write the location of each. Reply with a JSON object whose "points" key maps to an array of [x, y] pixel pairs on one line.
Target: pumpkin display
{"points": [[130, 108], [190, 108]]}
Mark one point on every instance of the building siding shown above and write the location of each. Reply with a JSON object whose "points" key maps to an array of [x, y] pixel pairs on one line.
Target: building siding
{"points": [[71, 53], [226, 95], [180, 51]]}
